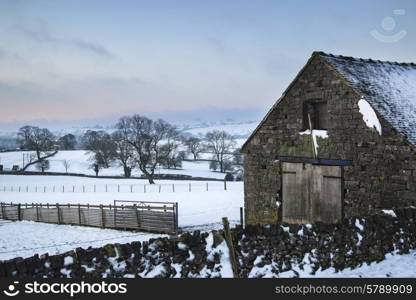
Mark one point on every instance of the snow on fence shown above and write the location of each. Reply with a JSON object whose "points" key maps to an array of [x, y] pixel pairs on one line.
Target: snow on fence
{"points": [[148, 216], [116, 188]]}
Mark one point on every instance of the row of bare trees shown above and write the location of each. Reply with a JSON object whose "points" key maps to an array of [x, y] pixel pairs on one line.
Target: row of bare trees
{"points": [[142, 143], [138, 142]]}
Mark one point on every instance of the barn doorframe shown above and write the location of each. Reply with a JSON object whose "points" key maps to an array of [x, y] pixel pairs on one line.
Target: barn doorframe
{"points": [[312, 161]]}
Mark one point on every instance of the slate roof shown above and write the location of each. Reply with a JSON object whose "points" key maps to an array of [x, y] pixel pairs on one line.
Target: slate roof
{"points": [[389, 87]]}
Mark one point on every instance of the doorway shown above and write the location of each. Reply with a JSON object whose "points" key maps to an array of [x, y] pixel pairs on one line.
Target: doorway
{"points": [[311, 193]]}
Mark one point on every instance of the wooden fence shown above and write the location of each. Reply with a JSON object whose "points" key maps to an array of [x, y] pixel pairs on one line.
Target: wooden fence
{"points": [[138, 215]]}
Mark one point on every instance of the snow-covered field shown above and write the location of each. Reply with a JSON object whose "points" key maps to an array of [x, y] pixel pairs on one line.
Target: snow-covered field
{"points": [[241, 129], [196, 208], [79, 161]]}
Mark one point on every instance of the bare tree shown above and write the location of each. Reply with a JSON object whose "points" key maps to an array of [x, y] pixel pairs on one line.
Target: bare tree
{"points": [[40, 140], [238, 158], [194, 146], [67, 142], [170, 156], [146, 137], [66, 165], [101, 145], [124, 153], [221, 144]]}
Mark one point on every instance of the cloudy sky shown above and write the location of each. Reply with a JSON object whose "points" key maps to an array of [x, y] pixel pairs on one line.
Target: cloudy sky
{"points": [[89, 60]]}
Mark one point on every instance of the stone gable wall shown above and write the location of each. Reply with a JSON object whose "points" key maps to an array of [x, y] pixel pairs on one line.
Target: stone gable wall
{"points": [[383, 174]]}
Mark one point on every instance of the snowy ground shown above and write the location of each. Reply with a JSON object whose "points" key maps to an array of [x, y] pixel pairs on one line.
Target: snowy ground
{"points": [[394, 265], [196, 208], [80, 162], [26, 238], [242, 129]]}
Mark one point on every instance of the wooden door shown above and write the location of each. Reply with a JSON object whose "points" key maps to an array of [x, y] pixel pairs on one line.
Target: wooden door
{"points": [[311, 193], [295, 193], [326, 194]]}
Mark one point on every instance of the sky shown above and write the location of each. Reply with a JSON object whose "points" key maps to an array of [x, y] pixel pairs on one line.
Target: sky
{"points": [[80, 60]]}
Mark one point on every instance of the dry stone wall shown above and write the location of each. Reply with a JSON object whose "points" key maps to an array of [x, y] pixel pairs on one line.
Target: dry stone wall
{"points": [[261, 251]]}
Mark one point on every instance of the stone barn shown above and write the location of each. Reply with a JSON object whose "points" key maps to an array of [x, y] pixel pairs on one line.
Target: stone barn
{"points": [[339, 142]]}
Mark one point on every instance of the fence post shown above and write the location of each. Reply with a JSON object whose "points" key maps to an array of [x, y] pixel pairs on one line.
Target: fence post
{"points": [[173, 187], [19, 212], [176, 217], [118, 188], [106, 188], [2, 210], [83, 188], [207, 186], [122, 208], [137, 216], [73, 188], [44, 189], [189, 187], [79, 214], [225, 185], [95, 188], [131, 188], [37, 213], [59, 215], [63, 188], [144, 188], [241, 217], [102, 216], [160, 188], [230, 245], [115, 217]]}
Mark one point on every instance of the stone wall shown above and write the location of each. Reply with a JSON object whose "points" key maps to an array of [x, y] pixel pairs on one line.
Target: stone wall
{"points": [[286, 251], [383, 174], [278, 250]]}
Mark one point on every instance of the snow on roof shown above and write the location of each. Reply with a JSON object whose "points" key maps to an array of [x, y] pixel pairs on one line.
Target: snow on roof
{"points": [[369, 115], [389, 87]]}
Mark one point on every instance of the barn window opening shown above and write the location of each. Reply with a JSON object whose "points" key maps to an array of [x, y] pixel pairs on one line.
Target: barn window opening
{"points": [[317, 111]]}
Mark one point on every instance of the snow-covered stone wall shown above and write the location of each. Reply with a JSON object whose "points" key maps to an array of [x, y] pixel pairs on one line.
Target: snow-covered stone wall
{"points": [[261, 251]]}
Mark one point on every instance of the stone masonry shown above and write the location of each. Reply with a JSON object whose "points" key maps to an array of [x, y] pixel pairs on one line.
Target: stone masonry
{"points": [[383, 170]]}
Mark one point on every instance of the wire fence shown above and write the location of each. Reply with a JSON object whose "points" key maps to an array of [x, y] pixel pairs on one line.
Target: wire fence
{"points": [[117, 188]]}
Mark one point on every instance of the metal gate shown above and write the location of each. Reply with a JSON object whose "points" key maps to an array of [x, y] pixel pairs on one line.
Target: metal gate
{"points": [[150, 216], [311, 193]]}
